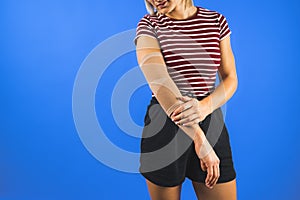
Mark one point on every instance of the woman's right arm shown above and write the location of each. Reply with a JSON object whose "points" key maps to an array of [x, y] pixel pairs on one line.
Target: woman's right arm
{"points": [[166, 92]]}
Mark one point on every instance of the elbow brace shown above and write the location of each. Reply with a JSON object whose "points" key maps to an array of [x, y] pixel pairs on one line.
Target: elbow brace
{"points": [[160, 82]]}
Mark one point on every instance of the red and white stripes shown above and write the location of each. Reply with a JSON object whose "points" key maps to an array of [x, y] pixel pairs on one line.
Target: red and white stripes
{"points": [[190, 47]]}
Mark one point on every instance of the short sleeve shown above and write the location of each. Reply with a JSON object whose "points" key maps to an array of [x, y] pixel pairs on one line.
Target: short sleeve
{"points": [[224, 28], [144, 27]]}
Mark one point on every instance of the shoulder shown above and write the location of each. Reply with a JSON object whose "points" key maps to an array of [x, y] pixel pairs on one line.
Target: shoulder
{"points": [[210, 13], [149, 19]]}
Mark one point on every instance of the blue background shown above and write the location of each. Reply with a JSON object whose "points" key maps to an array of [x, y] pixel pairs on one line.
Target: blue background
{"points": [[42, 47]]}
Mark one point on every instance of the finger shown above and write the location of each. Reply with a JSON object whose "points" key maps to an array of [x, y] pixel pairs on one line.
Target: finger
{"points": [[190, 123], [210, 183], [183, 115], [219, 171], [181, 108], [185, 119], [187, 105], [177, 111], [203, 167], [184, 98], [216, 175], [209, 176]]}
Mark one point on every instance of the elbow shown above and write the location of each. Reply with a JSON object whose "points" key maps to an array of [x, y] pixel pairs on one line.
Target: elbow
{"points": [[234, 84], [231, 83]]}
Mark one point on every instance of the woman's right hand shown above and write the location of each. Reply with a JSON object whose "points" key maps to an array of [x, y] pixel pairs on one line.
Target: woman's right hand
{"points": [[210, 164]]}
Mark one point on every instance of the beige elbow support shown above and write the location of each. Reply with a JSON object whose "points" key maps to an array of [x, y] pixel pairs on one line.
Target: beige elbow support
{"points": [[161, 84]]}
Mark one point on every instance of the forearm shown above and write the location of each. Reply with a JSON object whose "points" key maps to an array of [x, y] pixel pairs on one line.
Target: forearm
{"points": [[168, 101], [166, 92], [228, 78], [223, 92]]}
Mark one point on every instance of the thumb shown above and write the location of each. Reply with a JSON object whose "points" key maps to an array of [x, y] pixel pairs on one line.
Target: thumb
{"points": [[203, 167], [184, 98]]}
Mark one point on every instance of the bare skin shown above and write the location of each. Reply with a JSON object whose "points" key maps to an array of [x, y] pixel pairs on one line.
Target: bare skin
{"points": [[163, 193], [221, 191], [197, 111], [165, 94]]}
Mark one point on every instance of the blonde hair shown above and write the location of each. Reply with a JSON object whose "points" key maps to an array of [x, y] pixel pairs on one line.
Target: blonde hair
{"points": [[150, 8], [152, 11]]}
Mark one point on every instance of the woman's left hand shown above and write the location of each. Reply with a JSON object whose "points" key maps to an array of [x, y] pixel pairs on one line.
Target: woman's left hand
{"points": [[191, 111]]}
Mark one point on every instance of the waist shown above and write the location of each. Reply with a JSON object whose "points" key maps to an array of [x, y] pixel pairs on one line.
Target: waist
{"points": [[199, 98]]}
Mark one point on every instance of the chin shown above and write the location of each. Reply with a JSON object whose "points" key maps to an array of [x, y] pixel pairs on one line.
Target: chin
{"points": [[163, 11]]}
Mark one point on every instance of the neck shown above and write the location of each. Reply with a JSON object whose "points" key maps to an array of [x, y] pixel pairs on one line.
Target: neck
{"points": [[183, 10]]}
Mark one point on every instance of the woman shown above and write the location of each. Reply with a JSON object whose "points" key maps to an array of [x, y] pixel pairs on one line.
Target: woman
{"points": [[180, 48]]}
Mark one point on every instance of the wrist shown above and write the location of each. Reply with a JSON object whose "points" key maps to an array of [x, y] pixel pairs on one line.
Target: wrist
{"points": [[205, 149], [202, 147], [207, 104], [199, 137]]}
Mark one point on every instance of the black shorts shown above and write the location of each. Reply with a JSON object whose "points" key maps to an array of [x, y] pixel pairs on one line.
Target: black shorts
{"points": [[168, 154]]}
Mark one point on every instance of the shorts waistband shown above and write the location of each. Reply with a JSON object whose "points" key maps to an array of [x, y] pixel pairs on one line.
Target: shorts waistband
{"points": [[154, 99]]}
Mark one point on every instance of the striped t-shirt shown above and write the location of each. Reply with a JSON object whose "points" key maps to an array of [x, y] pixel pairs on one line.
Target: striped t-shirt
{"points": [[190, 47]]}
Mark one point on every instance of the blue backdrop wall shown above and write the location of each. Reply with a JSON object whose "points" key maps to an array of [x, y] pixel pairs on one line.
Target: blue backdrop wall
{"points": [[43, 45]]}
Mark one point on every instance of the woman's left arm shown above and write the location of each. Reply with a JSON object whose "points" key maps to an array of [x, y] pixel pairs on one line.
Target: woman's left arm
{"points": [[193, 111]]}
